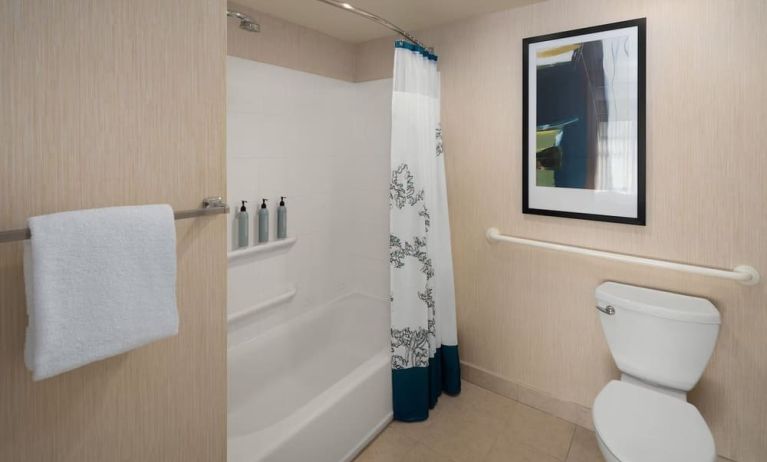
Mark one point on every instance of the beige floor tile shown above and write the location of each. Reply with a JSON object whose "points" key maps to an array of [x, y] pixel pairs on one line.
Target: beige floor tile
{"points": [[507, 449], [422, 453], [462, 438], [542, 431], [480, 400], [475, 412], [565, 410], [584, 447], [459, 429], [389, 446], [478, 426], [418, 430]]}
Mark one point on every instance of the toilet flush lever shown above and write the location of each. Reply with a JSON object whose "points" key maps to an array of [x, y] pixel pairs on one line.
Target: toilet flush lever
{"points": [[607, 310]]}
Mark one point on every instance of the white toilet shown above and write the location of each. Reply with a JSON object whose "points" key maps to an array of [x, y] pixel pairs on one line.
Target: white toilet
{"points": [[661, 341]]}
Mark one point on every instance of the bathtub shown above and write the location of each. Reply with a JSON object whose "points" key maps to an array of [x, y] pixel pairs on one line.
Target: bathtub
{"points": [[316, 388]]}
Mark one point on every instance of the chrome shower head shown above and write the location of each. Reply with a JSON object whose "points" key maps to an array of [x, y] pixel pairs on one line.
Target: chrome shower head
{"points": [[246, 22]]}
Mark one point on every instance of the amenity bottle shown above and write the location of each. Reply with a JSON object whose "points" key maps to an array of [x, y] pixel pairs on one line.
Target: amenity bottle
{"points": [[242, 226], [282, 219], [263, 222]]}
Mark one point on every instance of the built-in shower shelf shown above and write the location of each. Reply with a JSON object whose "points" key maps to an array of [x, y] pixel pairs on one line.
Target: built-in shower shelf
{"points": [[261, 248], [247, 312]]}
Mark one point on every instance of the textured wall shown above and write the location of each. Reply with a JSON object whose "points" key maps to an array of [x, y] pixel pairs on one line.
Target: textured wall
{"points": [[108, 103], [289, 45], [527, 315]]}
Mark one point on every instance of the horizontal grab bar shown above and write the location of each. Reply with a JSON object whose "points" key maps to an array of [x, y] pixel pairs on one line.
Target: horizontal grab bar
{"points": [[209, 208], [744, 274], [247, 312]]}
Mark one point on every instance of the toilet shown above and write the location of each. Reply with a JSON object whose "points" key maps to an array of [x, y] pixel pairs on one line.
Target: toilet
{"points": [[661, 342]]}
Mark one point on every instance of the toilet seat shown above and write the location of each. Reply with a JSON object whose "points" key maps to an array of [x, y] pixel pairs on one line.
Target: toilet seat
{"points": [[637, 424]]}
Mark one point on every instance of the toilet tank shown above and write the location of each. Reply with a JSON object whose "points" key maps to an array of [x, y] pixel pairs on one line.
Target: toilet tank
{"points": [[659, 337]]}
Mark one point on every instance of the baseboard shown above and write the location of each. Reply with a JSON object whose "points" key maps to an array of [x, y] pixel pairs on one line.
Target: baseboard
{"points": [[565, 410]]}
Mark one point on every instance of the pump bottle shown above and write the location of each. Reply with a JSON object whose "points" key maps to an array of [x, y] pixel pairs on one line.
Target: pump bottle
{"points": [[263, 222], [282, 219], [242, 226]]}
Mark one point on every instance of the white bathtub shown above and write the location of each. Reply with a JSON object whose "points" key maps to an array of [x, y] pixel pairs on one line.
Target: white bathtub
{"points": [[316, 388]]}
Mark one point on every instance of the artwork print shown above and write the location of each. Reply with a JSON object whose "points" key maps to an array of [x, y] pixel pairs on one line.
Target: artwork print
{"points": [[584, 124]]}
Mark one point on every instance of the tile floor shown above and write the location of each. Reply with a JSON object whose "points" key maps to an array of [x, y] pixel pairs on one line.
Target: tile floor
{"points": [[479, 425]]}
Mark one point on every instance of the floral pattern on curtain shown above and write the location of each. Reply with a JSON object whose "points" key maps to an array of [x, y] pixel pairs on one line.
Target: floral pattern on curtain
{"points": [[424, 342]]}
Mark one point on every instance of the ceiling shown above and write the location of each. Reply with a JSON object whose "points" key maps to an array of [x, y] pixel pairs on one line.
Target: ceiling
{"points": [[410, 15]]}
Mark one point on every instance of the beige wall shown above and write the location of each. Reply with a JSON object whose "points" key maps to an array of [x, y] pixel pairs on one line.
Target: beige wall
{"points": [[289, 45], [109, 103], [376, 57], [527, 315]]}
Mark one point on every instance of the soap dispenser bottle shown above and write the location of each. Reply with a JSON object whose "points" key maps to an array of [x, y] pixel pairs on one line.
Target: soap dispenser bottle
{"points": [[242, 226], [282, 219], [263, 222]]}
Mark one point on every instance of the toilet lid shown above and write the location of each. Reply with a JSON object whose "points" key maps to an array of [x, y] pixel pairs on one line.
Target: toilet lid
{"points": [[641, 425]]}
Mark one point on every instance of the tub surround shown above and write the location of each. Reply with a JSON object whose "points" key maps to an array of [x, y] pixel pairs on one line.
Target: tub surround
{"points": [[324, 143], [259, 248], [309, 362], [234, 318]]}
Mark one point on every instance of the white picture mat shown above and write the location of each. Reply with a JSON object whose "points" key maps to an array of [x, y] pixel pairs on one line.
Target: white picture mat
{"points": [[588, 201]]}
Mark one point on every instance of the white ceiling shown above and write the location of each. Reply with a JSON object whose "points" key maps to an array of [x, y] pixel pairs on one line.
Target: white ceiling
{"points": [[410, 15]]}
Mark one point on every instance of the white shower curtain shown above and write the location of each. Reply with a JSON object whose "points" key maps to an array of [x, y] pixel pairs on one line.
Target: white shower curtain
{"points": [[423, 332]]}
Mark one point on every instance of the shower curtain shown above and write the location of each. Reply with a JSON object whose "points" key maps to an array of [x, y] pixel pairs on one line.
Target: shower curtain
{"points": [[424, 343]]}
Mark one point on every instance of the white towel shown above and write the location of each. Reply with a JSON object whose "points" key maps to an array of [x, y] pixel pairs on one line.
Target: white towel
{"points": [[99, 283]]}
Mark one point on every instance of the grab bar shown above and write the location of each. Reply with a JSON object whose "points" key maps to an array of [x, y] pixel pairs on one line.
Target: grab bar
{"points": [[746, 275], [274, 301], [210, 206]]}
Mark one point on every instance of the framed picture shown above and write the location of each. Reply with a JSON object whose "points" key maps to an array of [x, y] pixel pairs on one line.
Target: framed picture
{"points": [[584, 123]]}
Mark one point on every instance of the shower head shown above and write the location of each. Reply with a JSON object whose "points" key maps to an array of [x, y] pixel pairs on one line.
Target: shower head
{"points": [[246, 22]]}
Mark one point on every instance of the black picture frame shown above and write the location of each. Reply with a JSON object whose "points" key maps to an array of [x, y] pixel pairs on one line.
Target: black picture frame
{"points": [[640, 218]]}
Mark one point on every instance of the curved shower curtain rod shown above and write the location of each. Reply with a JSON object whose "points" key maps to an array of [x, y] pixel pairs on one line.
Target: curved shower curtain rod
{"points": [[375, 18]]}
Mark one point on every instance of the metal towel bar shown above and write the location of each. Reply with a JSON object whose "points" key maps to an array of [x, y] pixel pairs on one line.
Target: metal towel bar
{"points": [[210, 206]]}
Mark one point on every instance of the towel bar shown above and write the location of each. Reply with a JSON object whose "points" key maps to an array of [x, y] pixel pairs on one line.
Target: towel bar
{"points": [[210, 206]]}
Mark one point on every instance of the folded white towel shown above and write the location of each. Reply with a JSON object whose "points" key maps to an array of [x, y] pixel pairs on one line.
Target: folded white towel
{"points": [[99, 283]]}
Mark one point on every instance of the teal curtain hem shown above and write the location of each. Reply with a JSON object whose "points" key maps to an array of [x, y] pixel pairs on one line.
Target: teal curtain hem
{"points": [[417, 389]]}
